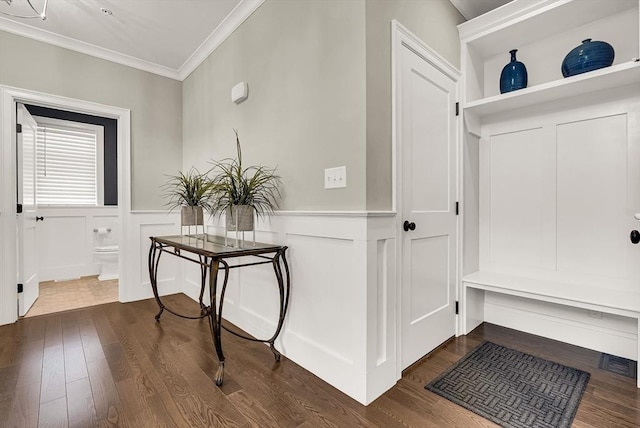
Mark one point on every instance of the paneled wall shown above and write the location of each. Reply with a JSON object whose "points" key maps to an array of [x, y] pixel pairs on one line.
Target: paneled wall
{"points": [[135, 273], [558, 190], [342, 308], [341, 319], [66, 240]]}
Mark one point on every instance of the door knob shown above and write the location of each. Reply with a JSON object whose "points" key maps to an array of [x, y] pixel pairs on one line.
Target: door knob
{"points": [[408, 226], [39, 218], [635, 237]]}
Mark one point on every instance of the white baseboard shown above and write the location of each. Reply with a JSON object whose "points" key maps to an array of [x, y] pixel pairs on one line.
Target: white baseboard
{"points": [[612, 334], [68, 272]]}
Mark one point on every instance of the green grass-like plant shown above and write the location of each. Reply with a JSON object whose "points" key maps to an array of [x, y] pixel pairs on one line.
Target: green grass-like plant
{"points": [[189, 189], [234, 184]]}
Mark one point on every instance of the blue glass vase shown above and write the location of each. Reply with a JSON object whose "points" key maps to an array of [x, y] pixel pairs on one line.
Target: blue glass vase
{"points": [[588, 56], [514, 75]]}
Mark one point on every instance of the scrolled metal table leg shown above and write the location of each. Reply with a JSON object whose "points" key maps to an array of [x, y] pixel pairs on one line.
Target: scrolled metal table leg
{"points": [[215, 316], [203, 279], [283, 288], [220, 373], [276, 354], [154, 259]]}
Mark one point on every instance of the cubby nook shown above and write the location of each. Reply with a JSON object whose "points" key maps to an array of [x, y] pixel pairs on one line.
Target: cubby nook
{"points": [[551, 175]]}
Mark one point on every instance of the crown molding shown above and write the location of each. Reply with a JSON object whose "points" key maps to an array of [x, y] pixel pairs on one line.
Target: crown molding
{"points": [[85, 48], [238, 15], [498, 18]]}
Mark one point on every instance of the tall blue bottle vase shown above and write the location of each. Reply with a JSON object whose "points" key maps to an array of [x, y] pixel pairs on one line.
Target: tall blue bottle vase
{"points": [[514, 75]]}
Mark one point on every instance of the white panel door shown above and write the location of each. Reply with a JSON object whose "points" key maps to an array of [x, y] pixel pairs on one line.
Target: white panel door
{"points": [[26, 221], [428, 130]]}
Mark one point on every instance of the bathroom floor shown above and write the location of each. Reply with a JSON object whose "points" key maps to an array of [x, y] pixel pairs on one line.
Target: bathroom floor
{"points": [[58, 296]]}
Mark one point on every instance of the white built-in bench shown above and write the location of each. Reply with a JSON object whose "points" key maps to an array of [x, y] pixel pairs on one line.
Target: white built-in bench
{"points": [[577, 294]]}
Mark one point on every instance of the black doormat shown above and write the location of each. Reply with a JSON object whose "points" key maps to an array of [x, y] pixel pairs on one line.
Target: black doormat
{"points": [[618, 365], [513, 389]]}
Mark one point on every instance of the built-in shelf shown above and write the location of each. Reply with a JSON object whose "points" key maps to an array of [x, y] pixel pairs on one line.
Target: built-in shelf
{"points": [[603, 299], [519, 22], [527, 157], [611, 77]]}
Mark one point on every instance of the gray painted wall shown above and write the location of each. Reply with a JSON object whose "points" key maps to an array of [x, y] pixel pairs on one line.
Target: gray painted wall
{"points": [[304, 62], [434, 22], [319, 75], [155, 103]]}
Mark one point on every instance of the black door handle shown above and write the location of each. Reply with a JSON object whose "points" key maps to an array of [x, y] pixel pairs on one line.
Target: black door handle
{"points": [[39, 218], [635, 237], [408, 226]]}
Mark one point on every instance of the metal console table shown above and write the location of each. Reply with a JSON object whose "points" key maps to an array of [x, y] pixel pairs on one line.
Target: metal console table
{"points": [[212, 255]]}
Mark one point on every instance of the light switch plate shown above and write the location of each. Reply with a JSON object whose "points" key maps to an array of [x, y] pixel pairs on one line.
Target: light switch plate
{"points": [[335, 178]]}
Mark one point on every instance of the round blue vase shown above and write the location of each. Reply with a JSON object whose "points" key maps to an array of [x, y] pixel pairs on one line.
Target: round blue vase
{"points": [[588, 56], [514, 75]]}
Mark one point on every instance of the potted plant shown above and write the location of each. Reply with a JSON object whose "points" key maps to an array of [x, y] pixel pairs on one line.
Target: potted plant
{"points": [[192, 193], [239, 191]]}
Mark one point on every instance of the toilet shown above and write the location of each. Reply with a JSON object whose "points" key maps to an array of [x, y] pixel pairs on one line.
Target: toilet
{"points": [[107, 256]]}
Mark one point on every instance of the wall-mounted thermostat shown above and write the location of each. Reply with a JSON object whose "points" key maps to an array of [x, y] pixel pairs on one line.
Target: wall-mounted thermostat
{"points": [[239, 92]]}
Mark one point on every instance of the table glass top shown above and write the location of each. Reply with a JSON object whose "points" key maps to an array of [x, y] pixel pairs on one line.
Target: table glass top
{"points": [[215, 245]]}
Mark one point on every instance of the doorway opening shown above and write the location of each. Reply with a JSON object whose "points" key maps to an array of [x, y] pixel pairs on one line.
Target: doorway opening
{"points": [[76, 196], [10, 98], [76, 189]]}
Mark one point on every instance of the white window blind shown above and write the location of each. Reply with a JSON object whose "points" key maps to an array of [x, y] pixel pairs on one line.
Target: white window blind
{"points": [[67, 165]]}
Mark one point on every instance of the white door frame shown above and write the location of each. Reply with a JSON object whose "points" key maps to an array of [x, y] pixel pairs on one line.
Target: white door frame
{"points": [[401, 36], [9, 96]]}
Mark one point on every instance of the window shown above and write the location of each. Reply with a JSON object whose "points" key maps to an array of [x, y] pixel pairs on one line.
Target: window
{"points": [[69, 163]]}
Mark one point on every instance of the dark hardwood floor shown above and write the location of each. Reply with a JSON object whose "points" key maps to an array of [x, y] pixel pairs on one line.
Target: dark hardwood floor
{"points": [[112, 365]]}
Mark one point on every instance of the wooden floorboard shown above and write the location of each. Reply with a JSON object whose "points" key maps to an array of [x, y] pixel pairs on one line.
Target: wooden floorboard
{"points": [[25, 402], [113, 366], [80, 406]]}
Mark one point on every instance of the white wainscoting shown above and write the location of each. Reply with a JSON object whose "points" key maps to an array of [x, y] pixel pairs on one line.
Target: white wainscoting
{"points": [[341, 319], [134, 272], [66, 240]]}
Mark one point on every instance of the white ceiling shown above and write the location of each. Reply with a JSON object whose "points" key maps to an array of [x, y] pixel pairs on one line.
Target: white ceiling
{"points": [[166, 37], [473, 8]]}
